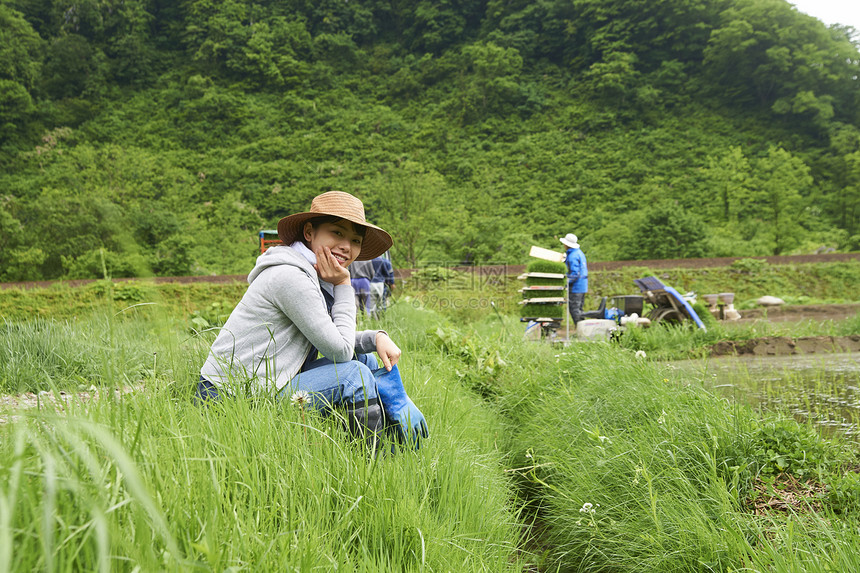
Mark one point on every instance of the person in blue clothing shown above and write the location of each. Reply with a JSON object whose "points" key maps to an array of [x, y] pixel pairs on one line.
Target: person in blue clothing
{"points": [[361, 273], [381, 284], [577, 276]]}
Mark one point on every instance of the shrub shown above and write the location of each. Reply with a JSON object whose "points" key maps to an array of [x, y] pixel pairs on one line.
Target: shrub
{"points": [[844, 493], [789, 447], [211, 316], [750, 266], [483, 363]]}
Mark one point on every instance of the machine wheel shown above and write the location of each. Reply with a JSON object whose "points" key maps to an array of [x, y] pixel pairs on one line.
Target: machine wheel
{"points": [[665, 314]]}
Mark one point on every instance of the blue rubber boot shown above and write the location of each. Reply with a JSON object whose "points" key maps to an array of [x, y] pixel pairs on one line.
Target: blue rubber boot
{"points": [[407, 420]]}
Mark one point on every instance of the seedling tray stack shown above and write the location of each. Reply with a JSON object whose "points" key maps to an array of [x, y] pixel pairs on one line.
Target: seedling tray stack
{"points": [[544, 294]]}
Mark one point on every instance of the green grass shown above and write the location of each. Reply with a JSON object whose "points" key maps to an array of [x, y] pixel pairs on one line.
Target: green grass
{"points": [[45, 354], [523, 436], [666, 468], [150, 480], [61, 301]]}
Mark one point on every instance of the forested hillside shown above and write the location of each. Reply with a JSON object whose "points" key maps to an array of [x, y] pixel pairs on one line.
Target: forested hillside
{"points": [[154, 137]]}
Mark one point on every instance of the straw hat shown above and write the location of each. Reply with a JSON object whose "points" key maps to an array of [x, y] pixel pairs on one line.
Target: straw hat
{"points": [[343, 205], [570, 240]]}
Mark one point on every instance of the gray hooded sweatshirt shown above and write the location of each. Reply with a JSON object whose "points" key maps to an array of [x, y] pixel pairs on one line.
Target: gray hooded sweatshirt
{"points": [[269, 334]]}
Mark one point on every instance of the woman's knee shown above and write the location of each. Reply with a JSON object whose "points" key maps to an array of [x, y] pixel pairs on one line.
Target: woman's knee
{"points": [[357, 381], [368, 360]]}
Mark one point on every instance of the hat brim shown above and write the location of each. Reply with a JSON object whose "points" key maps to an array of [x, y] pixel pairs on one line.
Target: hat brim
{"points": [[571, 245], [376, 240]]}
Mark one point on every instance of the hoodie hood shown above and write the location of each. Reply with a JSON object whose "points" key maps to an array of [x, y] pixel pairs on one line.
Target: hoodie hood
{"points": [[282, 255]]}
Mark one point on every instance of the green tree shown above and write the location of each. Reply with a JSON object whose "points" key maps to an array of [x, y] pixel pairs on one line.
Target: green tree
{"points": [[224, 232], [490, 81], [247, 42], [73, 67], [766, 52], [215, 31], [129, 43], [437, 25], [666, 231], [16, 106], [20, 256], [842, 165], [407, 202], [20, 66], [20, 49], [275, 53], [780, 183], [580, 33], [728, 179], [615, 78]]}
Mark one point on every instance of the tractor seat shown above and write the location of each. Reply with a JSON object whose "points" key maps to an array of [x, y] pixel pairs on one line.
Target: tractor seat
{"points": [[599, 313]]}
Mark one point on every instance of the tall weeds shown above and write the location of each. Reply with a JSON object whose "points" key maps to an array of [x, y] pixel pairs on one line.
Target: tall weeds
{"points": [[148, 481], [633, 467], [584, 458]]}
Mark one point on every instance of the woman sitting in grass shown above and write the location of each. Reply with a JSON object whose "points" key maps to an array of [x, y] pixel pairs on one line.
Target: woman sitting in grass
{"points": [[299, 304]]}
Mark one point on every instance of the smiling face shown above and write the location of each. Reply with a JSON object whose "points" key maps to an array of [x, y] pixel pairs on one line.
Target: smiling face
{"points": [[341, 236]]}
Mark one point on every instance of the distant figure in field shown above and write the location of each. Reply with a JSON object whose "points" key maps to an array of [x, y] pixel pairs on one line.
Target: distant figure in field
{"points": [[381, 284], [577, 276], [361, 273]]}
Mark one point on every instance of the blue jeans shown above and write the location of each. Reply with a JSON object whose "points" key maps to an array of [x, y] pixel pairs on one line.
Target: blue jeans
{"points": [[328, 384]]}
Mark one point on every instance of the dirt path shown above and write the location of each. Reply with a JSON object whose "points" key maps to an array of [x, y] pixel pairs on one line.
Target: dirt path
{"points": [[12, 405]]}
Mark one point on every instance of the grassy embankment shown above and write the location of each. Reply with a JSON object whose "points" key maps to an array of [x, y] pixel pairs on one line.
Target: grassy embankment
{"points": [[147, 479], [466, 298], [585, 459]]}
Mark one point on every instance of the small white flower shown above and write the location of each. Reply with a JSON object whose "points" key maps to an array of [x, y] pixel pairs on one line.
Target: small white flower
{"points": [[662, 417], [641, 354], [588, 508], [300, 398]]}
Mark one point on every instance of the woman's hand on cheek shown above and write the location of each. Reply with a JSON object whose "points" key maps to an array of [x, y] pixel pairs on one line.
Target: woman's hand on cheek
{"points": [[329, 268], [388, 352]]}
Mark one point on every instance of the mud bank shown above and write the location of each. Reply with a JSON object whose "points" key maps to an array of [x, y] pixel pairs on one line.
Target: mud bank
{"points": [[798, 312], [784, 345]]}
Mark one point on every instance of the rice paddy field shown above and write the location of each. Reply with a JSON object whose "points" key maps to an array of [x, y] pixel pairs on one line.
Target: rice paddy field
{"points": [[586, 457]]}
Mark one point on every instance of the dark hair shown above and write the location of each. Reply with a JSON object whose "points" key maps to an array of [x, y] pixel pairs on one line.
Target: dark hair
{"points": [[360, 230]]}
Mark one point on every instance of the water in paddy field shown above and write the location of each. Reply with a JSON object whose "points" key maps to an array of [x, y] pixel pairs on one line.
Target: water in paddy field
{"points": [[821, 388]]}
